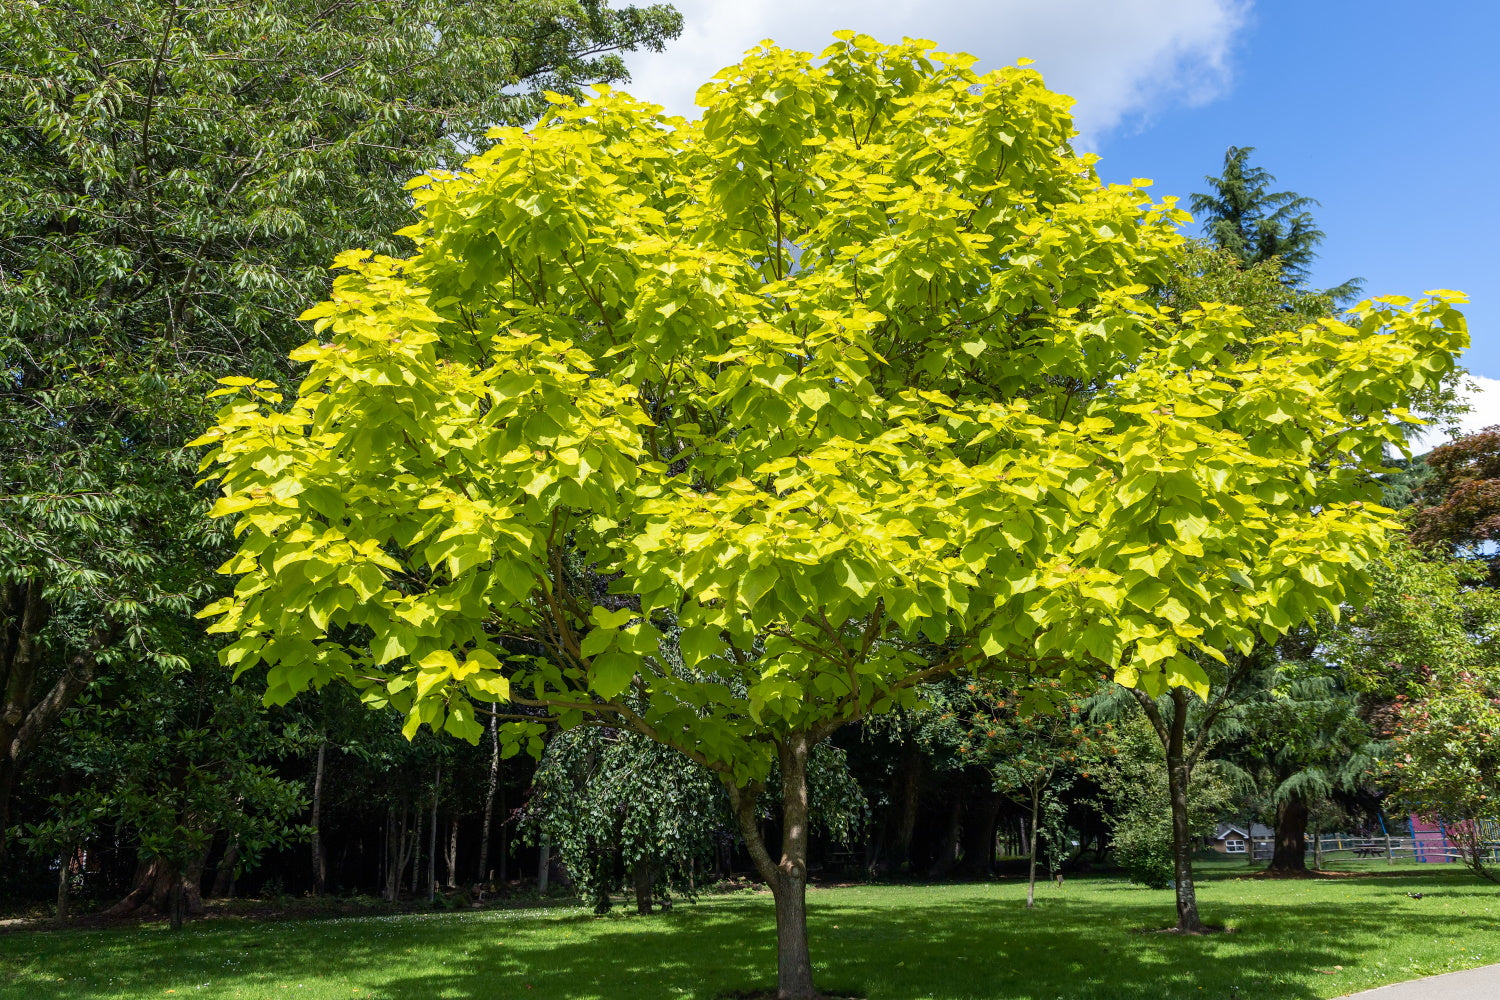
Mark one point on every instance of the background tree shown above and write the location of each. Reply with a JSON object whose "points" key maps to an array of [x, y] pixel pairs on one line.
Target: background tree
{"points": [[174, 179], [1446, 758], [1241, 215], [1304, 739], [952, 433], [614, 803], [1031, 739], [165, 766], [1457, 510]]}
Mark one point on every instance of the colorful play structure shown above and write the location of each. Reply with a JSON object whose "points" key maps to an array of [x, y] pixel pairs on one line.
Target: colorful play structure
{"points": [[1433, 842], [1429, 840]]}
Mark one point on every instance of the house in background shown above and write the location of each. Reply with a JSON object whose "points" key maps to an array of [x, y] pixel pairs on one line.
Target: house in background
{"points": [[1236, 840]]}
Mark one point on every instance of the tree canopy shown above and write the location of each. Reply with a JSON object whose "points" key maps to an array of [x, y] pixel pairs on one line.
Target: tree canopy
{"points": [[850, 383]]}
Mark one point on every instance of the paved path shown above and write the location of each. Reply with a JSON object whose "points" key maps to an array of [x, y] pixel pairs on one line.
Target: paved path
{"points": [[1472, 984]]}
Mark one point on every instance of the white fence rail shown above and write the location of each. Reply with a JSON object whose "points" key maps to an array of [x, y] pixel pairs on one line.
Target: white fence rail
{"points": [[1345, 847]]}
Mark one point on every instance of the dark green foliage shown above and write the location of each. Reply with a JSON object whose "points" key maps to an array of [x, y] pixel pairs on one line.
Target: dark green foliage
{"points": [[1405, 483], [610, 800], [175, 179], [1242, 215]]}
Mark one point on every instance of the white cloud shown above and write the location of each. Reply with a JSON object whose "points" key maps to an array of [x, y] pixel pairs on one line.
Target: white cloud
{"points": [[1486, 413], [1118, 58]]}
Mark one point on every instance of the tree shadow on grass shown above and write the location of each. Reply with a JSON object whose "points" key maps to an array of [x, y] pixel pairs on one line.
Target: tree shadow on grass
{"points": [[973, 943]]}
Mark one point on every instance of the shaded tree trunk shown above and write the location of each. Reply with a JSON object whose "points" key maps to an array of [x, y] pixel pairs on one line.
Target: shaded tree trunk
{"points": [[788, 877], [24, 720], [319, 861], [452, 854], [64, 878], [483, 872], [948, 852], [437, 782], [1289, 850], [163, 889], [979, 835], [1036, 810], [641, 877], [912, 770], [223, 886]]}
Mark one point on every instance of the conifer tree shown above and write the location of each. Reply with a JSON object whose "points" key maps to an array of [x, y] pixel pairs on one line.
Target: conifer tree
{"points": [[1242, 215]]}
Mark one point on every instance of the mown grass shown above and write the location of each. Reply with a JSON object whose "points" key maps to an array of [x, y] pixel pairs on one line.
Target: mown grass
{"points": [[1092, 939]]}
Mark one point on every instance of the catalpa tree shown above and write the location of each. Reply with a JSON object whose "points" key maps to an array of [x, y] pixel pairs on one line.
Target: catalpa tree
{"points": [[732, 431]]}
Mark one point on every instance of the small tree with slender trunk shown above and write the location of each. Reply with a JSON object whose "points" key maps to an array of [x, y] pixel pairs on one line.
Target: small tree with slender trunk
{"points": [[848, 385], [1028, 735]]}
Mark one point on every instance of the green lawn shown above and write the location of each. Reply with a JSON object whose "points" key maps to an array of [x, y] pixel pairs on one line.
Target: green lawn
{"points": [[1085, 940]]}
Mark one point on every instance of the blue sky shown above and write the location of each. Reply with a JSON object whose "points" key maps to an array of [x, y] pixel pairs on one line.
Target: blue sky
{"points": [[1383, 112]]}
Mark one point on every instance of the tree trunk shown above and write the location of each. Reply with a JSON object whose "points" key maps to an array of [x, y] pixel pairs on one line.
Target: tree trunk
{"points": [[23, 721], [913, 768], [1036, 809], [437, 781], [483, 873], [787, 879], [452, 854], [948, 852], [164, 889], [1290, 851], [319, 862], [224, 878], [398, 853], [1179, 777], [504, 869], [64, 877], [543, 865], [979, 835], [641, 876]]}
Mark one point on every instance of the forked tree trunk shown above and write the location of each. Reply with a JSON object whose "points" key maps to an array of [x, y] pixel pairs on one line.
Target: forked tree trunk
{"points": [[24, 718], [1290, 851], [788, 878], [1180, 760], [163, 889]]}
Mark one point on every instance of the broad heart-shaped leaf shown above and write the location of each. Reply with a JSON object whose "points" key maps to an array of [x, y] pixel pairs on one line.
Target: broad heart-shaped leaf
{"points": [[612, 673], [721, 430]]}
